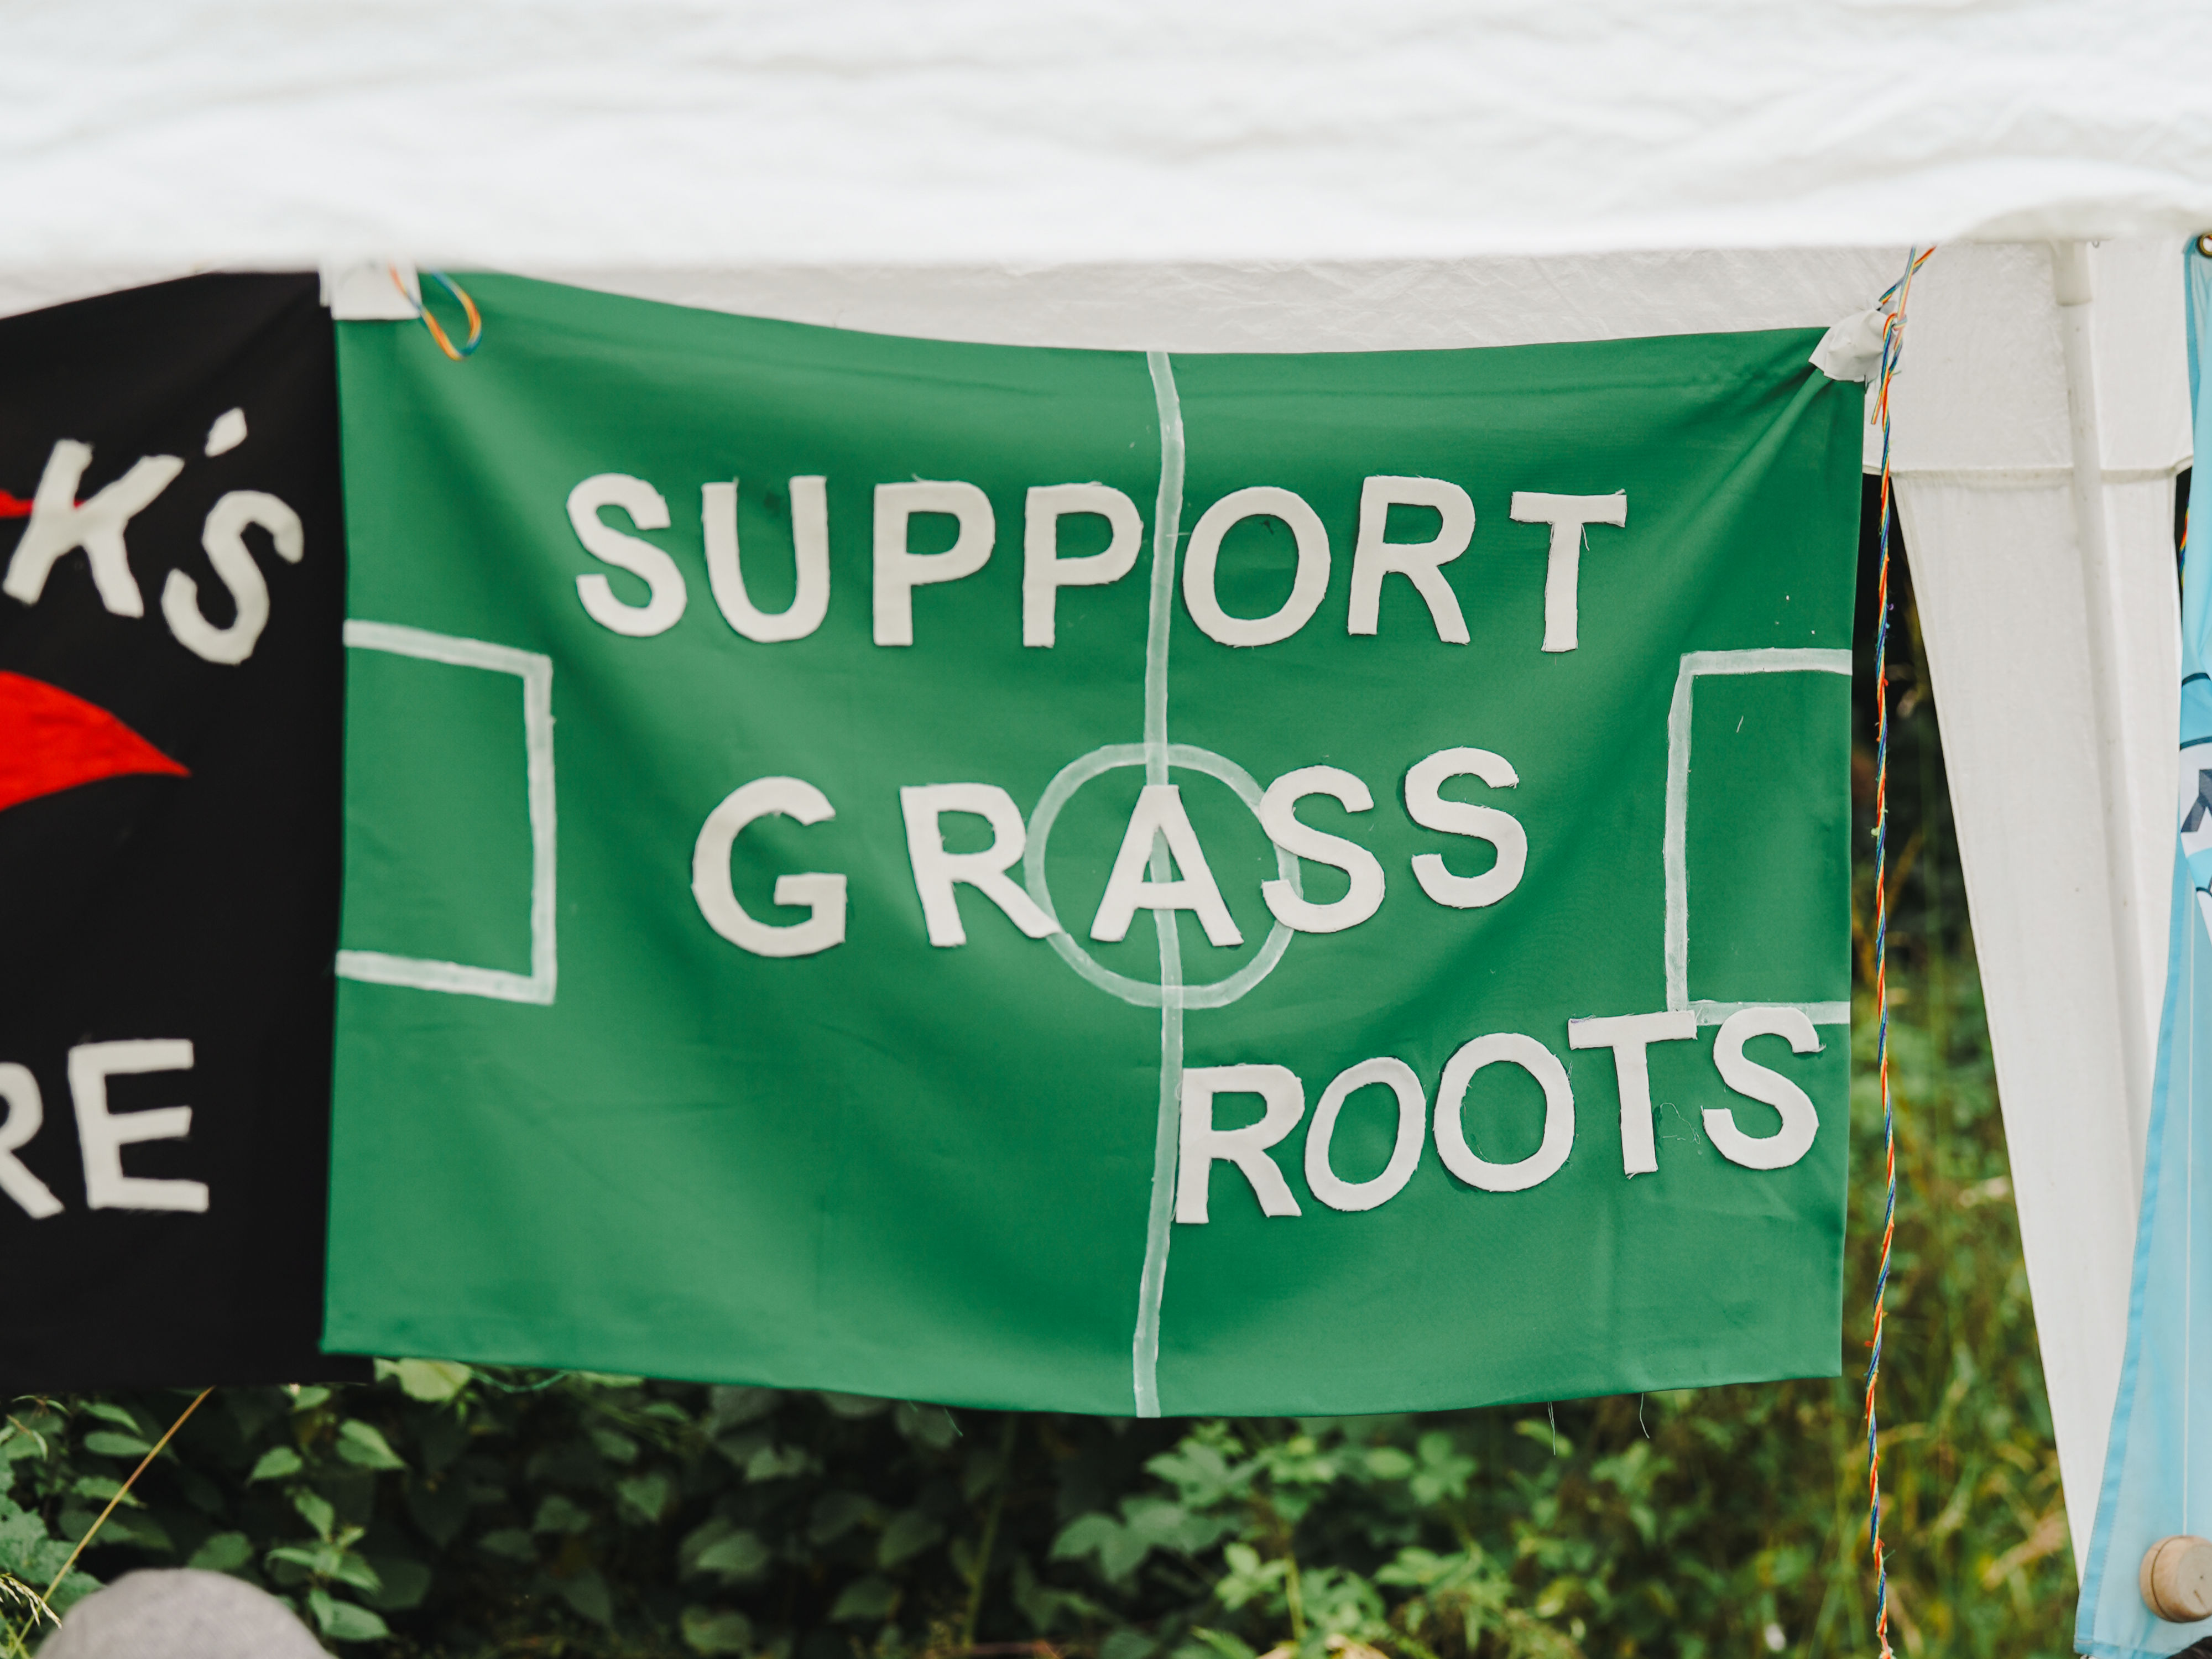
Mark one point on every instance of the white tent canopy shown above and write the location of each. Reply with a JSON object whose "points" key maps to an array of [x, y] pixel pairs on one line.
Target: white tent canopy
{"points": [[1297, 177], [665, 132]]}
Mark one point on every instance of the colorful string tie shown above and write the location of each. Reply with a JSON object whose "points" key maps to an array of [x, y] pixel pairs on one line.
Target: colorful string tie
{"points": [[1893, 336], [468, 347]]}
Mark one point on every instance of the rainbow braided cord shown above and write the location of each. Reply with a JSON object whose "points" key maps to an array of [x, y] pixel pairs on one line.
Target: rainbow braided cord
{"points": [[1893, 334]]}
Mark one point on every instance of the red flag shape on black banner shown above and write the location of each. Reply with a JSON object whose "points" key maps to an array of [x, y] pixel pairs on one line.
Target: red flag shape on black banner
{"points": [[172, 585], [51, 741]]}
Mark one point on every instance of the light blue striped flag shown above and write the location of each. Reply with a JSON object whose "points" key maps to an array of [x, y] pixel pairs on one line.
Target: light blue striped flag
{"points": [[2158, 1466]]}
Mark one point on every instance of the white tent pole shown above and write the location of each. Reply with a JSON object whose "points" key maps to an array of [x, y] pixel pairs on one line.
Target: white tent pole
{"points": [[2058, 734], [2074, 290]]}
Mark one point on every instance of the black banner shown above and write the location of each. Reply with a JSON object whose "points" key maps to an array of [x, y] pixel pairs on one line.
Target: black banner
{"points": [[172, 586]]}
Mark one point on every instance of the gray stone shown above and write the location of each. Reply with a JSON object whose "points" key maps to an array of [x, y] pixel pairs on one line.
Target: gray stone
{"points": [[179, 1613]]}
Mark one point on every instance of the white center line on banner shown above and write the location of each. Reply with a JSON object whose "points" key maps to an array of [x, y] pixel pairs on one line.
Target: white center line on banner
{"points": [[1167, 516]]}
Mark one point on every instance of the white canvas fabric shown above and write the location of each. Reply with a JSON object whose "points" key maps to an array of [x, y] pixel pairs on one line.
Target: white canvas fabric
{"points": [[676, 132]]}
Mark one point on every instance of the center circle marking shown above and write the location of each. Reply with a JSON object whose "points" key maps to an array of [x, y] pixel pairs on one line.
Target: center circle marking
{"points": [[1112, 756]]}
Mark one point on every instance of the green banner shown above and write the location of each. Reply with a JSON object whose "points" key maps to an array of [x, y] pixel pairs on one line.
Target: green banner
{"points": [[1088, 881]]}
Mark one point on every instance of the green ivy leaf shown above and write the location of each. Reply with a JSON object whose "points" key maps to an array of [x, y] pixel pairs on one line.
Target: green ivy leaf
{"points": [[23, 1544], [560, 1514], [979, 1471], [404, 1584], [278, 1463], [438, 1510], [646, 1497], [909, 1532], [730, 1408], [364, 1445], [1444, 1470], [587, 1593], [316, 1510], [351, 1569], [925, 1426], [511, 1542], [106, 1412], [100, 1489], [432, 1381], [614, 1445], [1042, 1605], [141, 1531], [1388, 1463], [864, 1601], [225, 1552], [1249, 1577], [1201, 1474], [708, 1533], [770, 1463], [836, 1513], [344, 1621], [1083, 1536], [115, 1445], [1123, 1554], [1222, 1643], [1156, 1520], [738, 1556], [717, 1630]]}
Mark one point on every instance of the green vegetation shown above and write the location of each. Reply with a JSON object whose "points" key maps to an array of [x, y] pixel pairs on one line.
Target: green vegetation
{"points": [[456, 1512]]}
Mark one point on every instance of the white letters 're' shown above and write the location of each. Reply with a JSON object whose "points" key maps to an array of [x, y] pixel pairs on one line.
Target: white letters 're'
{"points": [[26, 1113], [102, 1135]]}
